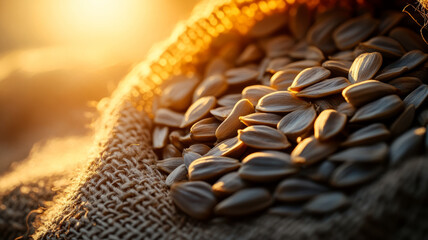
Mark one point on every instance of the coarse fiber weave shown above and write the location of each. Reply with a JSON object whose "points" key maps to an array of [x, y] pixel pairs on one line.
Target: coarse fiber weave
{"points": [[121, 195]]}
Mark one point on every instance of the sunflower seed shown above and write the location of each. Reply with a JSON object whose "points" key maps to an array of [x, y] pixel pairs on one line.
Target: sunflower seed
{"points": [[241, 76], [348, 56], [211, 167], [178, 95], [196, 199], [179, 174], [299, 20], [352, 174], [380, 109], [277, 63], [364, 67], [251, 53], [263, 137], [291, 210], [346, 108], [279, 46], [166, 117], [303, 51], [281, 80], [232, 147], [221, 113], [268, 119], [388, 47], [169, 164], [216, 66], [329, 124], [160, 137], [308, 77], [389, 20], [408, 39], [170, 151], [204, 130], [366, 91], [310, 151], [320, 172], [244, 202], [353, 31], [320, 34], [296, 190], [189, 157], [199, 148], [300, 65], [328, 102], [326, 203], [214, 85], [405, 85], [403, 121], [280, 101], [229, 184], [423, 117], [407, 62], [229, 100], [417, 97], [407, 145], [376, 132], [266, 166], [229, 127], [297, 123], [268, 25], [198, 110], [175, 139], [255, 92], [338, 67], [324, 88], [362, 154]]}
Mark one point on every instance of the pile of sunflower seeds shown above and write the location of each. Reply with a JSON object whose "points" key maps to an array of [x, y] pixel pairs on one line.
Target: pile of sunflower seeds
{"points": [[297, 117]]}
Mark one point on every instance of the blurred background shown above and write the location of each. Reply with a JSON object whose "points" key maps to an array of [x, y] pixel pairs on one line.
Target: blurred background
{"points": [[59, 58]]}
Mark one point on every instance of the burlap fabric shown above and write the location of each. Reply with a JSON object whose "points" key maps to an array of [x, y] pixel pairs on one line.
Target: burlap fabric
{"points": [[121, 195]]}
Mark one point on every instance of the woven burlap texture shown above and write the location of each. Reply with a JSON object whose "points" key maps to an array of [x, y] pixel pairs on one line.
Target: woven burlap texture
{"points": [[121, 194]]}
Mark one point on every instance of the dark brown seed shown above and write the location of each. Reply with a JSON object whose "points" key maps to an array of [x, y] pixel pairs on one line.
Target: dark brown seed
{"points": [[244, 202], [376, 132], [178, 94], [347, 56], [364, 67], [199, 148], [353, 31], [170, 151], [214, 85], [406, 63], [364, 92], [346, 108], [286, 210], [326, 203], [405, 85], [250, 54], [266, 166], [232, 147], [169, 164], [388, 47], [380, 109], [229, 100], [196, 199], [329, 124], [229, 184], [255, 92], [204, 130], [164, 116], [179, 174], [409, 39], [295, 190], [221, 113], [198, 110], [310, 151], [211, 167], [160, 137], [352, 174], [320, 172], [338, 67], [407, 145], [324, 88], [389, 20], [308, 77], [279, 46], [281, 80], [297, 123], [417, 97], [189, 157], [268, 119], [280, 101], [263, 137], [362, 154], [299, 20], [403, 121], [277, 63], [268, 25], [229, 127], [241, 76]]}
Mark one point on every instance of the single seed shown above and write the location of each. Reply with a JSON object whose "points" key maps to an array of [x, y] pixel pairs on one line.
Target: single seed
{"points": [[352, 174], [362, 154], [229, 184], [281, 80], [407, 145], [279, 46], [403, 122], [232, 147], [169, 164], [255, 92], [367, 91], [240, 76], [189, 157], [346, 108], [308, 77], [338, 67], [204, 130], [199, 148], [211, 167], [280, 101], [320, 172], [417, 97], [178, 94], [376, 132], [326, 203], [388, 47], [405, 85], [251, 53], [229, 127], [380, 109], [179, 174], [324, 88], [301, 65], [244, 202], [296, 190], [353, 31], [170, 151], [276, 64], [160, 137], [198, 110], [299, 20], [310, 151], [216, 66], [164, 116], [229, 100], [268, 119], [297, 123], [214, 85], [364, 67], [329, 124], [268, 25], [263, 137], [221, 113], [290, 210]]}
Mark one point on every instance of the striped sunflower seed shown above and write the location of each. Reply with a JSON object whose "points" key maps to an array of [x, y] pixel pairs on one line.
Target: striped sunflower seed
{"points": [[199, 148], [189, 157], [263, 137], [328, 102], [241, 76], [178, 95], [297, 123], [303, 51], [204, 130], [352, 174], [179, 174], [297, 190], [353, 31], [196, 199], [403, 122], [214, 85], [388, 47], [308, 77], [178, 138], [229, 184], [380, 109], [407, 145], [211, 167], [280, 101], [198, 110], [160, 137], [244, 202], [405, 85], [367, 91], [276, 64], [376, 132], [232, 147], [364, 67], [417, 97], [266, 166], [407, 62], [251, 53], [229, 127], [170, 151], [346, 108], [329, 124], [281, 80], [324, 88], [268, 119], [326, 203], [255, 92], [310, 151], [169, 164], [166, 117], [221, 113], [229, 100], [362, 154], [338, 67], [408, 39]]}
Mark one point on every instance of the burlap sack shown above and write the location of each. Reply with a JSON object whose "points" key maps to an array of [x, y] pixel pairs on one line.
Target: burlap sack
{"points": [[120, 194]]}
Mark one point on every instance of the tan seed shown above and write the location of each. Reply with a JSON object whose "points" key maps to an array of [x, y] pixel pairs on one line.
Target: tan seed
{"points": [[198, 110], [178, 175], [229, 184], [164, 116], [338, 67], [404, 121], [353, 31], [244, 202], [281, 80], [196, 199], [324, 88], [364, 67], [214, 85], [221, 113], [160, 137], [175, 138], [277, 63], [296, 190], [310, 151], [308, 77], [268, 119], [229, 127], [263, 137], [229, 100], [255, 92], [297, 123], [241, 76], [178, 94], [329, 124], [170, 151], [169, 164], [211, 167], [280, 101], [232, 147], [327, 203], [199, 148], [204, 130], [353, 174], [417, 97], [376, 132], [367, 91], [380, 109], [362, 154], [406, 63]]}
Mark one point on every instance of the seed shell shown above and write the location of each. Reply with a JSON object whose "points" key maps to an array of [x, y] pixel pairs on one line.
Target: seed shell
{"points": [[244, 202], [263, 137], [211, 167]]}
